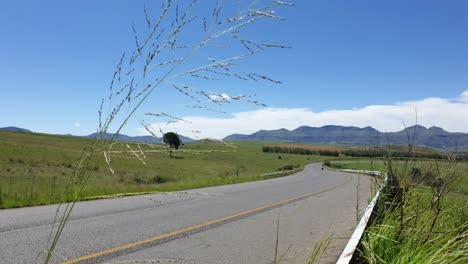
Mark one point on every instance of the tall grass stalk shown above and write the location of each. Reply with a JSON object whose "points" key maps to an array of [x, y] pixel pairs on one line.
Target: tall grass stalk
{"points": [[277, 240], [155, 63], [357, 198], [319, 249]]}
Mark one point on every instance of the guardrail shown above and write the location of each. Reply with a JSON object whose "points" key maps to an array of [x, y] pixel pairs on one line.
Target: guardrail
{"points": [[353, 242]]}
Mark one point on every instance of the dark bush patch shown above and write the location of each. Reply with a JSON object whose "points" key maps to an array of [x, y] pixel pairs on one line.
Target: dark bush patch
{"points": [[152, 180], [139, 180], [288, 167], [158, 180], [420, 177]]}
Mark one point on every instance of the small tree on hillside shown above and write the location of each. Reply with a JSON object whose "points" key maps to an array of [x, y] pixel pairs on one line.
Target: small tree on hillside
{"points": [[172, 140]]}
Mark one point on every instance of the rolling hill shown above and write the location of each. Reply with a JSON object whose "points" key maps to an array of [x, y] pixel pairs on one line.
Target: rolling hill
{"points": [[15, 129]]}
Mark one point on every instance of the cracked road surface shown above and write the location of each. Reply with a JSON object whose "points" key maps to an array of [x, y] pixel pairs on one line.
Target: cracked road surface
{"points": [[225, 224]]}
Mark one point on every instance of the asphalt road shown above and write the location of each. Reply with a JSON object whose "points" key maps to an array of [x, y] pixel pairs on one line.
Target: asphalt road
{"points": [[226, 224]]}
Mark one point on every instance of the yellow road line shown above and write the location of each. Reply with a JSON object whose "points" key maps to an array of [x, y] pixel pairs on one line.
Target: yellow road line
{"points": [[196, 227]]}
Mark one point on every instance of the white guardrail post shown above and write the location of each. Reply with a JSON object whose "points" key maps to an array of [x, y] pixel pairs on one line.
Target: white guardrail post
{"points": [[353, 242]]}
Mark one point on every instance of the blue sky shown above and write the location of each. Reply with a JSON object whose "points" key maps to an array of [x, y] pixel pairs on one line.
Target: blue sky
{"points": [[58, 57]]}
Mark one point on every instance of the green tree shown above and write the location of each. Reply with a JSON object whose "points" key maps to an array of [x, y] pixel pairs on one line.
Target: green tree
{"points": [[172, 140]]}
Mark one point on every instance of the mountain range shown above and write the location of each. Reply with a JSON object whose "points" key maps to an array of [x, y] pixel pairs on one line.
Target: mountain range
{"points": [[434, 137], [143, 139], [120, 137]]}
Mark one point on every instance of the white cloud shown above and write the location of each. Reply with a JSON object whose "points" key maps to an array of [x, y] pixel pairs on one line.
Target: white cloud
{"points": [[77, 124], [450, 114], [464, 96]]}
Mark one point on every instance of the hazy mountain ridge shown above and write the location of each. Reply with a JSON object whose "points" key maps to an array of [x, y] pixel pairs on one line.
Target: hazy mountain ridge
{"points": [[142, 139], [120, 137], [435, 137], [15, 129]]}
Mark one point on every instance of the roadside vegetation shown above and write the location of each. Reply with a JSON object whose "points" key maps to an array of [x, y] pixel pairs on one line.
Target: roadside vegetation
{"points": [[422, 216]]}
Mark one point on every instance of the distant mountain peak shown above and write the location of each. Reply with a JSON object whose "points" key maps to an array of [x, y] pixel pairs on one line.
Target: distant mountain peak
{"points": [[436, 129], [418, 127]]}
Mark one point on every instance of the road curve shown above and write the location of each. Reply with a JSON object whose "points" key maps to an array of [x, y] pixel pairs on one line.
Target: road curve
{"points": [[236, 223]]}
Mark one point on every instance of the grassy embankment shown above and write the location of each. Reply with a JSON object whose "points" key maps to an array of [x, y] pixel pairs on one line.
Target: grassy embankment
{"points": [[429, 224], [461, 185], [35, 168]]}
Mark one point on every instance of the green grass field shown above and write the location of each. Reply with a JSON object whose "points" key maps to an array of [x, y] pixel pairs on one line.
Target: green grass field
{"points": [[35, 168]]}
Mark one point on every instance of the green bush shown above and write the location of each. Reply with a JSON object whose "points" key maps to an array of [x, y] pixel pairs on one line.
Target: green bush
{"points": [[289, 167], [158, 180], [152, 180]]}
